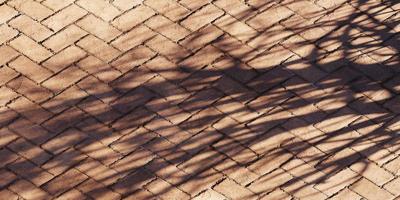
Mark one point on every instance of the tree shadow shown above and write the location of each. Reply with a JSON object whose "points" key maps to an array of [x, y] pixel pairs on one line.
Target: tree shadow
{"points": [[304, 107]]}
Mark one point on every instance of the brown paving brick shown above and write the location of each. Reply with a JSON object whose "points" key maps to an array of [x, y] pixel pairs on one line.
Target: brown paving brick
{"points": [[4, 193], [128, 20], [72, 194], [99, 69], [168, 130], [101, 8], [30, 69], [30, 131], [64, 140], [132, 99], [167, 28], [168, 48], [99, 131], [29, 151], [166, 190], [98, 48], [99, 110], [30, 48], [63, 161], [199, 38], [7, 13], [235, 48], [7, 177], [28, 170], [271, 16], [233, 190], [28, 191], [133, 181], [99, 151], [64, 120], [56, 5], [7, 33], [235, 8], [7, 74], [236, 28], [98, 28], [7, 136], [337, 182], [201, 182], [373, 172], [369, 190], [202, 17], [6, 95], [102, 91], [168, 8], [65, 17], [64, 79], [98, 171], [64, 38], [133, 38], [97, 190], [31, 8], [70, 178], [30, 27], [65, 99], [30, 110], [131, 141], [8, 54], [270, 181], [64, 58], [133, 58]]}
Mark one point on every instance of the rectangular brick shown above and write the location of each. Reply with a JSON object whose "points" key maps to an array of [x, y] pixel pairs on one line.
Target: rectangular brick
{"points": [[27, 190], [98, 48], [337, 182], [200, 182], [159, 186], [32, 8], [102, 9], [30, 171], [64, 182], [270, 181], [168, 28], [133, 38], [66, 78], [29, 151], [236, 8], [30, 131], [202, 17], [132, 79], [373, 172], [7, 74], [64, 58], [64, 140], [56, 5], [236, 28], [7, 177], [167, 48], [99, 69], [269, 17], [98, 131], [133, 181], [65, 17], [30, 27], [133, 17], [201, 37], [65, 99], [133, 140], [99, 151], [6, 13], [369, 190], [133, 58], [98, 28], [30, 48], [30, 89], [99, 110], [133, 161], [66, 119], [233, 190], [125, 4], [63, 161], [6, 33], [132, 99], [6, 155], [97, 190], [98, 172], [168, 8], [64, 38], [30, 69], [101, 90], [30, 110]]}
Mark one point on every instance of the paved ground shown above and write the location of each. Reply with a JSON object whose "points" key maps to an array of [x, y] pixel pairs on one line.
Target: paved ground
{"points": [[222, 99]]}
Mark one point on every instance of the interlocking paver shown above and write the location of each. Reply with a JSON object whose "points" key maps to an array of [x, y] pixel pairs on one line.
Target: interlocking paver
{"points": [[199, 99]]}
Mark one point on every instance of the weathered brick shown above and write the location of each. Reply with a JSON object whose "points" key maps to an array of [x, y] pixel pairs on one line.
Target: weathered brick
{"points": [[7, 33], [133, 17], [369, 190], [30, 27], [168, 8], [30, 48], [65, 17], [32, 8], [64, 58], [202, 17], [28, 191], [30, 89], [30, 69], [98, 28], [98, 48], [101, 8], [64, 38]]}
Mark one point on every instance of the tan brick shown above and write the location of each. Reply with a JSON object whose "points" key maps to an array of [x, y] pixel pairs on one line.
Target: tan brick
{"points": [[209, 194], [236, 28], [270, 181], [168, 8], [30, 171], [98, 89], [201, 182], [7, 194], [101, 8], [72, 194], [64, 58], [66, 181], [64, 140], [167, 48], [30, 48], [337, 182], [7, 53], [202, 17], [30, 89], [133, 17], [30, 27], [31, 8], [101, 111], [30, 131], [99, 69], [167, 28], [269, 162], [133, 140], [98, 172], [64, 38], [97, 190], [65, 99], [198, 39], [100, 152], [126, 4], [28, 191], [233, 190], [133, 38], [63, 161], [301, 190], [270, 59], [64, 79], [30, 151], [6, 13], [64, 120], [235, 48], [193, 4], [8, 115], [133, 181], [30, 69], [346, 194], [166, 190], [65, 17], [269, 17], [132, 79], [369, 190], [6, 155], [99, 131], [236, 8], [98, 48], [6, 95], [133, 58], [98, 28], [203, 57], [202, 161], [7, 74], [133, 161], [6, 33], [393, 186], [277, 194], [372, 172], [56, 5]]}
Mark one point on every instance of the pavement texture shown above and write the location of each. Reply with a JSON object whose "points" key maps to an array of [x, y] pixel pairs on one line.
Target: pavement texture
{"points": [[197, 99]]}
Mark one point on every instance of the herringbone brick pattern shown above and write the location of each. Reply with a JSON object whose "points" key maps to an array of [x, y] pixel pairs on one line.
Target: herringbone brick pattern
{"points": [[199, 99]]}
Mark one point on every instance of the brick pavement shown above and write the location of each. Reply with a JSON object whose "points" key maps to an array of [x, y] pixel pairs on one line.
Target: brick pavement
{"points": [[199, 99]]}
